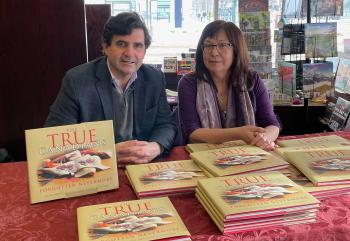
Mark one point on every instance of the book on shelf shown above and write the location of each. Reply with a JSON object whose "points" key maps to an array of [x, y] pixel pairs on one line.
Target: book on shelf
{"points": [[330, 140], [292, 8], [136, 220], [320, 40], [237, 160], [71, 160], [323, 167], [340, 114], [257, 21], [342, 75], [293, 39], [164, 178], [287, 75], [317, 80], [170, 64], [326, 8], [194, 147], [255, 200], [253, 5]]}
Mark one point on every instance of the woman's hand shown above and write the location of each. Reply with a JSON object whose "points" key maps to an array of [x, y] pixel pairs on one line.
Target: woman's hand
{"points": [[248, 133]]}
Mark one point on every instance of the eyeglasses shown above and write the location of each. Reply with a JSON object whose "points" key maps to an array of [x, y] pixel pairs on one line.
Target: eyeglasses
{"points": [[221, 47]]}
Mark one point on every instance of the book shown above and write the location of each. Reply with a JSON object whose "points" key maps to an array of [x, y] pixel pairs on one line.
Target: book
{"points": [[293, 39], [253, 5], [170, 64], [342, 75], [320, 40], [292, 8], [257, 21], [255, 195], [321, 146], [237, 160], [194, 147], [329, 140], [71, 160], [287, 75], [317, 80], [323, 167], [326, 8], [319, 192], [340, 114], [136, 220], [163, 178]]}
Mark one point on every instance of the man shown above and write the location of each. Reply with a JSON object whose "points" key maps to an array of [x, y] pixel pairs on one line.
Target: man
{"points": [[119, 87]]}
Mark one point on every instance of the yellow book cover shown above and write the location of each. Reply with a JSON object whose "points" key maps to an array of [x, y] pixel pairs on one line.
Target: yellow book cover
{"points": [[323, 167], [331, 140], [207, 146], [137, 220], [71, 160], [255, 194], [296, 176], [164, 177], [237, 160]]}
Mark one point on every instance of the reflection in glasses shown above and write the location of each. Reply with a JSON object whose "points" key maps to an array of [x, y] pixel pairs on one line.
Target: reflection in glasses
{"points": [[220, 47]]}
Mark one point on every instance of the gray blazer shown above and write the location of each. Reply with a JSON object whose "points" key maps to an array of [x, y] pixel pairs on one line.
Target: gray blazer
{"points": [[86, 95]]}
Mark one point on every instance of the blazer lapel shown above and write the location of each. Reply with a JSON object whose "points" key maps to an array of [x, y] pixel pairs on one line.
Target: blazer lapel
{"points": [[139, 103], [103, 86]]}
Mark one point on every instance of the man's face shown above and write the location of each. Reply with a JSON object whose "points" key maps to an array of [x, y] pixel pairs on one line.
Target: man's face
{"points": [[125, 54]]}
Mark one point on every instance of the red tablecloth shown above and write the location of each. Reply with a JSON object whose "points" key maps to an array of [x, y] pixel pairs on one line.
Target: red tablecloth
{"points": [[56, 220]]}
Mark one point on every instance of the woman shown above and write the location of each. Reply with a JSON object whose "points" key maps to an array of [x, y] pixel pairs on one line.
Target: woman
{"points": [[223, 100]]}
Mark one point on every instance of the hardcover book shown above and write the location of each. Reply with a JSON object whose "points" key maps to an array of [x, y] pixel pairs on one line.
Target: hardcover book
{"points": [[342, 75], [318, 79], [340, 114], [163, 178], [256, 21], [323, 167], [137, 220], [318, 192], [253, 5], [320, 40], [71, 160], [326, 8], [287, 75], [195, 147], [255, 195], [237, 160], [293, 41], [330, 140]]}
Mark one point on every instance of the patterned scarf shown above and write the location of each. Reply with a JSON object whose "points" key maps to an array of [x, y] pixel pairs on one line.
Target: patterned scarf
{"points": [[240, 110]]}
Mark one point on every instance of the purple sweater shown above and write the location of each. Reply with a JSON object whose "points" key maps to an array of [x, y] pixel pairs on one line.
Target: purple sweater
{"points": [[188, 116]]}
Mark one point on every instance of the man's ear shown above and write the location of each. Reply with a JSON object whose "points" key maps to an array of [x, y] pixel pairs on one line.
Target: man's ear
{"points": [[104, 47]]}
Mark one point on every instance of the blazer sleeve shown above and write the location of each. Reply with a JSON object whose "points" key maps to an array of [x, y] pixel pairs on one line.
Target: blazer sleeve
{"points": [[164, 129], [65, 109]]}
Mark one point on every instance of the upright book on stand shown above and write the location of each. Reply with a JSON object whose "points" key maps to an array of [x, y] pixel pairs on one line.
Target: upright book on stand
{"points": [[71, 160]]}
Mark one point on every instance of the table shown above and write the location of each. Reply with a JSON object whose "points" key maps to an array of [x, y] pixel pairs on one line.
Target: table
{"points": [[56, 220]]}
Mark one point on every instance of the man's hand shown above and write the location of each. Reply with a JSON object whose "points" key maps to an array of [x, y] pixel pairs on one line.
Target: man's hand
{"points": [[136, 152]]}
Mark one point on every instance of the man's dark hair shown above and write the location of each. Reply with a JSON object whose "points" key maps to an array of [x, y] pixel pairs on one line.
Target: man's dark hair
{"points": [[124, 24]]}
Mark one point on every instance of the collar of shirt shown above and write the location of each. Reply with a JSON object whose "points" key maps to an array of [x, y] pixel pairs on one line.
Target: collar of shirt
{"points": [[116, 82]]}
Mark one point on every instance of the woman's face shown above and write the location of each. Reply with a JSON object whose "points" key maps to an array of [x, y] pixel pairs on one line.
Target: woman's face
{"points": [[218, 54]]}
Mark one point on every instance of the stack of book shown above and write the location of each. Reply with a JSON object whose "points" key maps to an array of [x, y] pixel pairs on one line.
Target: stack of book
{"points": [[253, 201], [164, 178], [137, 220], [319, 192], [237, 160]]}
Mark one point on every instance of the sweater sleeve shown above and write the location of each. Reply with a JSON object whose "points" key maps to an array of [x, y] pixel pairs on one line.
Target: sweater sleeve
{"points": [[188, 116], [264, 110]]}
